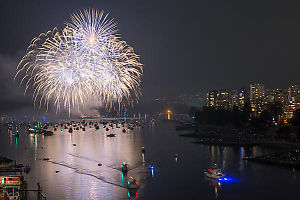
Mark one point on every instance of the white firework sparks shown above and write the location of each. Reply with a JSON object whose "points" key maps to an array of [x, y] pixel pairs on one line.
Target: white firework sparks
{"points": [[85, 61]]}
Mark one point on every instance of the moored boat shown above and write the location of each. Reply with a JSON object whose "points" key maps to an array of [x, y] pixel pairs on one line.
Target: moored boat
{"points": [[5, 162], [11, 186], [132, 184], [124, 167], [48, 133]]}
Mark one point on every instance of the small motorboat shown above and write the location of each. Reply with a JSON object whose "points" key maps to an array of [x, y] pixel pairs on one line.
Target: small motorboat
{"points": [[32, 130], [48, 133], [124, 167], [132, 184], [111, 135], [17, 134], [214, 173]]}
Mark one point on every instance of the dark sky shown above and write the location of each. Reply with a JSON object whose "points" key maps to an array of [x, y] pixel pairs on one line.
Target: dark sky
{"points": [[185, 46]]}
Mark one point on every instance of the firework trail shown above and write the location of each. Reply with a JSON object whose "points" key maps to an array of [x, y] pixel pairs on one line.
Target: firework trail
{"points": [[86, 60]]}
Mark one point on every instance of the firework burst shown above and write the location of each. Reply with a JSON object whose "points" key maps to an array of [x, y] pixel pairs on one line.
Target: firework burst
{"points": [[86, 60]]}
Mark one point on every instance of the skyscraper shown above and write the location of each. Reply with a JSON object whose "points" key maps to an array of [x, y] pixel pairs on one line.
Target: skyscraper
{"points": [[257, 94]]}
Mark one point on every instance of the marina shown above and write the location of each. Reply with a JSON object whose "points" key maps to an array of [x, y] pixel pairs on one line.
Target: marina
{"points": [[88, 164]]}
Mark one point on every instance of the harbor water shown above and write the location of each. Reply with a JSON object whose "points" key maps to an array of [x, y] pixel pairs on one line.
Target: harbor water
{"points": [[87, 165]]}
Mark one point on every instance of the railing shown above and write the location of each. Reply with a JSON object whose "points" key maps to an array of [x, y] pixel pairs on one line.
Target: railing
{"points": [[40, 195]]}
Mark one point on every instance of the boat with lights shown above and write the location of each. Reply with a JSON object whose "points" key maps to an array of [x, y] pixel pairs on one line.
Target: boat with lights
{"points": [[132, 184], [12, 187], [124, 167], [214, 173]]}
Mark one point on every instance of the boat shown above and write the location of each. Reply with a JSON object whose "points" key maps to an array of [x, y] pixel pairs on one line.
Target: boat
{"points": [[42, 131], [11, 186], [214, 173], [70, 130], [132, 184], [17, 134], [10, 127], [124, 167], [5, 162], [111, 135], [31, 131], [48, 133]]}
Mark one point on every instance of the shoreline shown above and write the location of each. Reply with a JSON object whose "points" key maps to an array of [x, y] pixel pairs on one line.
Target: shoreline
{"points": [[285, 159], [289, 158], [228, 140]]}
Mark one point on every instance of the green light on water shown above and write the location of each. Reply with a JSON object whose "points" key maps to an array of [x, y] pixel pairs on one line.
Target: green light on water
{"points": [[16, 142]]}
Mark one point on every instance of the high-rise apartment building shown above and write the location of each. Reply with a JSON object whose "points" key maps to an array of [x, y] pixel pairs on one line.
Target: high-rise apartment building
{"points": [[257, 98]]}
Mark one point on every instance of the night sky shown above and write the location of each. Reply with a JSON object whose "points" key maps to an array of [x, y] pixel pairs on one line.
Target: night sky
{"points": [[185, 46]]}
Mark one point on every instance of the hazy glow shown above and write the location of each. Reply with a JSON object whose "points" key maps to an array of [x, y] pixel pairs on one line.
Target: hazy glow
{"points": [[86, 60]]}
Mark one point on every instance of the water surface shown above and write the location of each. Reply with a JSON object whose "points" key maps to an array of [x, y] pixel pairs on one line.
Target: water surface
{"points": [[73, 172]]}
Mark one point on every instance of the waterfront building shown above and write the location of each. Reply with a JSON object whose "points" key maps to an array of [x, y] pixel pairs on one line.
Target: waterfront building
{"points": [[293, 102], [234, 99], [257, 99], [218, 99], [269, 96], [280, 96], [243, 96], [223, 100], [211, 99], [293, 91]]}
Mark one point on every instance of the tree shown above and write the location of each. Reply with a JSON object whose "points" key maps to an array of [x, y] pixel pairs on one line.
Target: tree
{"points": [[265, 117], [298, 135], [296, 118], [192, 111], [276, 109], [246, 111]]}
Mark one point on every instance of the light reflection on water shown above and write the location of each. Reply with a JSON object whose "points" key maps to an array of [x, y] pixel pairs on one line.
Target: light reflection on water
{"points": [[73, 172]]}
